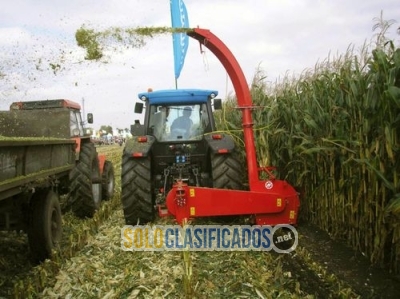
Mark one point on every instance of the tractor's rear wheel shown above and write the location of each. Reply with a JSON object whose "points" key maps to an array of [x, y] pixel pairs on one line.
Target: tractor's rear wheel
{"points": [[85, 194], [45, 227], [108, 181], [227, 171], [137, 198]]}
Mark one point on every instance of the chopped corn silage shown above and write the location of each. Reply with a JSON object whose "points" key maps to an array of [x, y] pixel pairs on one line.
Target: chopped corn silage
{"points": [[92, 264], [103, 270]]}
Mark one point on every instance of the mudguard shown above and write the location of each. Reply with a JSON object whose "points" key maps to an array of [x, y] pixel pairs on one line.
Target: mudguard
{"points": [[137, 147], [222, 145]]}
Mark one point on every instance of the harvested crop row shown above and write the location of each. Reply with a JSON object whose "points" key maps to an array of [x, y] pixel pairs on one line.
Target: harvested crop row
{"points": [[93, 265]]}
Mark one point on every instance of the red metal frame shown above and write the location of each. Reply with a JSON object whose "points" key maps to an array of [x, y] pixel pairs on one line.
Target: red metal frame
{"points": [[272, 201], [273, 207]]}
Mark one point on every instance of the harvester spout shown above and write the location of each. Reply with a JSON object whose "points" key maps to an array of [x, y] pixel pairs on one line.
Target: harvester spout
{"points": [[225, 56]]}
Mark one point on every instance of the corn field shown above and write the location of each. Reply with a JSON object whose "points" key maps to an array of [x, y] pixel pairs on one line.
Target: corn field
{"points": [[334, 134]]}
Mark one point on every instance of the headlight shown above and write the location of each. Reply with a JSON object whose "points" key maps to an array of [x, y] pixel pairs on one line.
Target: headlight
{"points": [[212, 95], [75, 132]]}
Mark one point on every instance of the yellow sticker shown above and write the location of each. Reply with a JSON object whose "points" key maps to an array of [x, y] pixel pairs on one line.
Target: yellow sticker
{"points": [[279, 202], [191, 193], [291, 214], [192, 211]]}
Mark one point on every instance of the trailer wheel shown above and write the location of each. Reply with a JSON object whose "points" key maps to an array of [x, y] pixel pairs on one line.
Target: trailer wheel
{"points": [[108, 181], [85, 194], [136, 197], [45, 227], [227, 171]]}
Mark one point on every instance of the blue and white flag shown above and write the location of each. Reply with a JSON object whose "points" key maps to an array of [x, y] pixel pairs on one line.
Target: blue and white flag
{"points": [[179, 19]]}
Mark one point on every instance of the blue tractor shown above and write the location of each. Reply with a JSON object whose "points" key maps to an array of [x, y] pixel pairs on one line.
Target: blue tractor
{"points": [[177, 141]]}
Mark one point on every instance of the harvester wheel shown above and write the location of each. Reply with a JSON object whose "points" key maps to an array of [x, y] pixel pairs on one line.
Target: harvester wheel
{"points": [[137, 199], [227, 171], [45, 227], [85, 194], [108, 181]]}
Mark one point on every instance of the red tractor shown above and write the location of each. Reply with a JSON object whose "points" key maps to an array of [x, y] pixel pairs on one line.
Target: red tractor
{"points": [[192, 171], [92, 178]]}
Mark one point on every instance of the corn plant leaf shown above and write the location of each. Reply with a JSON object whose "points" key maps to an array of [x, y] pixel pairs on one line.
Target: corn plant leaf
{"points": [[388, 184], [393, 205], [394, 93]]}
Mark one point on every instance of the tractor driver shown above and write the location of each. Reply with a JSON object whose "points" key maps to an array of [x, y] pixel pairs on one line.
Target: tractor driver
{"points": [[183, 123]]}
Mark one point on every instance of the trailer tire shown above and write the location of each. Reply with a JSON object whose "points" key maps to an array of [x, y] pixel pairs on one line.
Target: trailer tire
{"points": [[108, 181], [227, 171], [45, 227], [85, 194], [136, 197]]}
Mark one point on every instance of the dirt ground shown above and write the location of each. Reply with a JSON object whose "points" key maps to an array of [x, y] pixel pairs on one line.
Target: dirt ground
{"points": [[351, 268]]}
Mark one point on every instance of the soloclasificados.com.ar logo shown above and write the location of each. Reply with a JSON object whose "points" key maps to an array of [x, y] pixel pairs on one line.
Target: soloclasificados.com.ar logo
{"points": [[281, 238]]}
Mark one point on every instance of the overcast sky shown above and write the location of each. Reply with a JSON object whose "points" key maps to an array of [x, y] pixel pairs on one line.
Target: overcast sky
{"points": [[280, 36]]}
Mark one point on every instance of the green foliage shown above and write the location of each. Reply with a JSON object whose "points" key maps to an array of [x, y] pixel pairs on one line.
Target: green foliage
{"points": [[94, 42], [55, 67], [87, 39]]}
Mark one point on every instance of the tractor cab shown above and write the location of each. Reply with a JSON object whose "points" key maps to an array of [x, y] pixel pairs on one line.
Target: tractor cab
{"points": [[177, 115], [178, 122]]}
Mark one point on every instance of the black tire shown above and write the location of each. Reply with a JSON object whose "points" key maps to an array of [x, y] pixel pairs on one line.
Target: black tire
{"points": [[227, 171], [137, 198], [108, 181], [85, 194], [45, 227]]}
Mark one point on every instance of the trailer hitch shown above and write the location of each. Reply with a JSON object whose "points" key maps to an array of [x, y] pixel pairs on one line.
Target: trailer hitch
{"points": [[179, 190], [180, 194]]}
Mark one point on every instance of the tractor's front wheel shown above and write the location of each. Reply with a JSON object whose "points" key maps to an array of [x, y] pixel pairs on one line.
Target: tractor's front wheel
{"points": [[136, 197]]}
